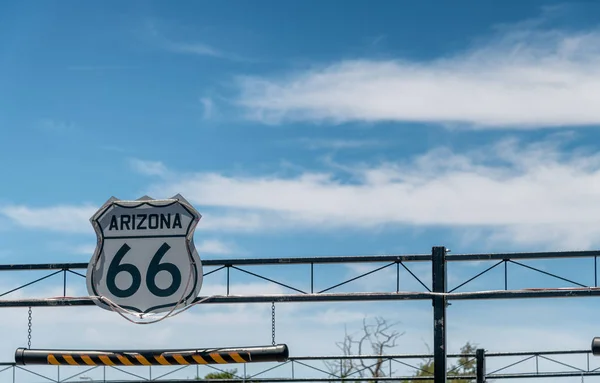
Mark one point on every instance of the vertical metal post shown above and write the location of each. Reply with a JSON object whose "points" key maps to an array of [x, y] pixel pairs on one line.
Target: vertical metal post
{"points": [[397, 277], [312, 277], [438, 261], [227, 280], [480, 358]]}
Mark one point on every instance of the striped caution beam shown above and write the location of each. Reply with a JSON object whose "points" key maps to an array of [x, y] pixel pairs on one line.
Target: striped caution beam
{"points": [[277, 353]]}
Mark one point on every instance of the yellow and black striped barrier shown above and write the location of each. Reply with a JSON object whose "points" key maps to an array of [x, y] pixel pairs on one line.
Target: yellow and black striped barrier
{"points": [[277, 353]]}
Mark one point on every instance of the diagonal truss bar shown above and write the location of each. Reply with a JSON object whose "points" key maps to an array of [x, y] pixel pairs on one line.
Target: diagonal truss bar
{"points": [[511, 365], [76, 273], [547, 273], [268, 279], [31, 283], [7, 368], [220, 370], [36, 374], [476, 276], [561, 363], [411, 366], [170, 372], [213, 271], [362, 369], [455, 368], [317, 369], [414, 276], [129, 373], [80, 373], [269, 369], [357, 277]]}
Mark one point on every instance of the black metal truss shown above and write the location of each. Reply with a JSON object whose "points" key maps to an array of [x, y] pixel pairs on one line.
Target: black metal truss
{"points": [[286, 371], [398, 264]]}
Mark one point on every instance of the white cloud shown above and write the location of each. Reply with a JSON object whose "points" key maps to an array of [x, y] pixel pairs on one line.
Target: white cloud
{"points": [[61, 218], [76, 219], [150, 168], [84, 250], [195, 48], [237, 221], [216, 247], [524, 78], [55, 126], [525, 193], [209, 106], [512, 193], [313, 143]]}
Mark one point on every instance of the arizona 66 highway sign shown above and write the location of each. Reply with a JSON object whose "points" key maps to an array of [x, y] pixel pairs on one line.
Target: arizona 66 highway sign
{"points": [[145, 260]]}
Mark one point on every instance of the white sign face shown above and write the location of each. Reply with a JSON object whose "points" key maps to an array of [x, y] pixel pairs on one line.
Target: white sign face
{"points": [[145, 260]]}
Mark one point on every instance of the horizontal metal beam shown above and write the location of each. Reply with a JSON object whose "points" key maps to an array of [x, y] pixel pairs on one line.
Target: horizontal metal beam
{"points": [[336, 297], [257, 354], [370, 379], [276, 380], [429, 356], [249, 261], [43, 266], [534, 255], [420, 356], [533, 353], [530, 375], [340, 260]]}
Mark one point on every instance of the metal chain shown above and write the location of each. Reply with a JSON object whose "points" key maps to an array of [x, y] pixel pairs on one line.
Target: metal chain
{"points": [[29, 330], [273, 322]]}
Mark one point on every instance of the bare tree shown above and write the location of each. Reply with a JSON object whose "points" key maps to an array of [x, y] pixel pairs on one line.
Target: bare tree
{"points": [[378, 337]]}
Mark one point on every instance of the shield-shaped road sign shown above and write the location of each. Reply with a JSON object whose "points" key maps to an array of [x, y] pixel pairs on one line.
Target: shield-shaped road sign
{"points": [[145, 260]]}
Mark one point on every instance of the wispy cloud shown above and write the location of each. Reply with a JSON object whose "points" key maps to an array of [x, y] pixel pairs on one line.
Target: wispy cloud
{"points": [[113, 148], [338, 144], [97, 68], [87, 249], [150, 168], [208, 107], [523, 78], [55, 126], [60, 218], [188, 46], [526, 194], [215, 247], [203, 49], [75, 218], [195, 48]]}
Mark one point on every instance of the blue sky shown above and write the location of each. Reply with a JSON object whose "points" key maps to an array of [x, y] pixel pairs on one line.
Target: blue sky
{"points": [[307, 128]]}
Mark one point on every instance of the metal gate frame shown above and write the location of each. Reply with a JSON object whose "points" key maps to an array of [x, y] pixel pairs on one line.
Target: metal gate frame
{"points": [[439, 294]]}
